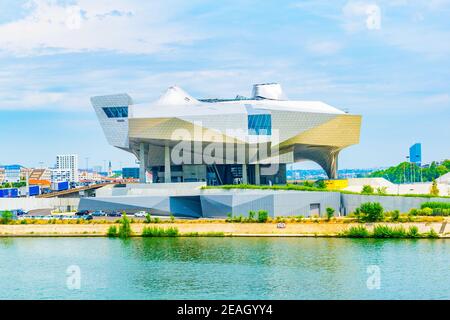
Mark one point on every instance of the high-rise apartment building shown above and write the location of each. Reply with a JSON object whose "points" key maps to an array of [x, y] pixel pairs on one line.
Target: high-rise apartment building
{"points": [[67, 163], [415, 153]]}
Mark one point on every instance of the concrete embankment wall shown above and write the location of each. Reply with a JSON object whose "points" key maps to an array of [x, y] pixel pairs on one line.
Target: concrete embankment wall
{"points": [[350, 202], [27, 204]]}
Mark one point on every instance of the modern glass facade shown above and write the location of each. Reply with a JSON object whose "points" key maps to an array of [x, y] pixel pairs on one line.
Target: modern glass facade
{"points": [[259, 124], [415, 153], [116, 112]]}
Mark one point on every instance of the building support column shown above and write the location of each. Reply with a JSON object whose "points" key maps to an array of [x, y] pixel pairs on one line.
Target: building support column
{"points": [[142, 163], [167, 172], [244, 174], [257, 174]]}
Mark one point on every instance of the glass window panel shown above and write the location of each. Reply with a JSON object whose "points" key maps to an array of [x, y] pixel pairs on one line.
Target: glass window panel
{"points": [[116, 112], [260, 124]]}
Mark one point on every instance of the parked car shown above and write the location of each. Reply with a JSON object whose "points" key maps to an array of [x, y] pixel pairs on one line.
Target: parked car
{"points": [[88, 217], [82, 213], [140, 214], [99, 213], [115, 214], [19, 212]]}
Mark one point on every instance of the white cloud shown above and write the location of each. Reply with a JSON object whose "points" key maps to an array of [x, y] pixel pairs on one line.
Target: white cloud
{"points": [[438, 100], [128, 27], [324, 47], [360, 15]]}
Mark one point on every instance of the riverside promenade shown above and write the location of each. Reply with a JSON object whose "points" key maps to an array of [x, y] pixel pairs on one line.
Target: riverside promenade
{"points": [[295, 229]]}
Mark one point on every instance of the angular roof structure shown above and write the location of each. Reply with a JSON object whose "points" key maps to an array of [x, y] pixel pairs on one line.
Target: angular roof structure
{"points": [[290, 130]]}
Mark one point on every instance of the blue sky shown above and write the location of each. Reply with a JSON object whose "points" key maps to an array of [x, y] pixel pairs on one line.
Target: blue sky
{"points": [[386, 60]]}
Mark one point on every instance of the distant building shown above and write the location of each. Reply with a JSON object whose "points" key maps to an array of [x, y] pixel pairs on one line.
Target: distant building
{"points": [[415, 154], [130, 173], [90, 175], [66, 167], [41, 174], [12, 173], [61, 175], [2, 174], [110, 170], [97, 169]]}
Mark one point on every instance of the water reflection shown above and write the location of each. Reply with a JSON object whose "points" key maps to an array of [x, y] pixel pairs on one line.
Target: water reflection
{"points": [[224, 268]]}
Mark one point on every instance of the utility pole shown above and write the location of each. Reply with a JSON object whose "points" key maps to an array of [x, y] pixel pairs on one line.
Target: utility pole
{"points": [[404, 168]]}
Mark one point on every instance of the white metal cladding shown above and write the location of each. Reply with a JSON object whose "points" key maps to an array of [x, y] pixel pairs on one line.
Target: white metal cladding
{"points": [[115, 129]]}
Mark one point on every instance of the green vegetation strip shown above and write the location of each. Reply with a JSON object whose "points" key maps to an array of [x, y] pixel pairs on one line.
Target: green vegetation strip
{"points": [[311, 187], [386, 232]]}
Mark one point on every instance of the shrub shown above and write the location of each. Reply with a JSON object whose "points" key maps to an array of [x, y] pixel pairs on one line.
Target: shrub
{"points": [[382, 231], [172, 218], [398, 232], [413, 232], [367, 189], [371, 211], [395, 215], [434, 190], [432, 205], [159, 232], [263, 215], [251, 215], [357, 232], [357, 213], [308, 184], [432, 234], [330, 213], [320, 184], [148, 218], [112, 232], [382, 190], [125, 227], [6, 217]]}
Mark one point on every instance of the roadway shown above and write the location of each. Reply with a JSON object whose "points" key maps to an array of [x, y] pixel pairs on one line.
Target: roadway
{"points": [[74, 190]]}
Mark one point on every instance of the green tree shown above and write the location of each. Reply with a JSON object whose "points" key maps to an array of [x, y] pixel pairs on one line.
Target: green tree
{"points": [[124, 227], [6, 217], [412, 172]]}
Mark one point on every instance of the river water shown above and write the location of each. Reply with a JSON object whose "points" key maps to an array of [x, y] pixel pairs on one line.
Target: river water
{"points": [[224, 268]]}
